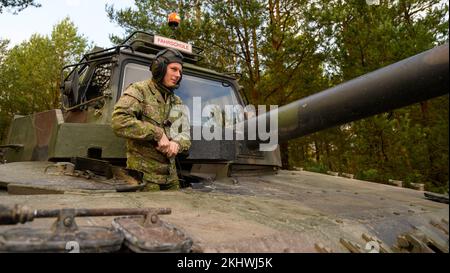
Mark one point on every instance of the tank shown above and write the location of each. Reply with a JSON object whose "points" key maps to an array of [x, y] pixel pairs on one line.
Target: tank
{"points": [[67, 168]]}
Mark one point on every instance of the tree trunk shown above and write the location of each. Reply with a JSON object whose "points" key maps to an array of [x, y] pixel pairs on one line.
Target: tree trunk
{"points": [[425, 124], [303, 153], [284, 150], [317, 151], [328, 153]]}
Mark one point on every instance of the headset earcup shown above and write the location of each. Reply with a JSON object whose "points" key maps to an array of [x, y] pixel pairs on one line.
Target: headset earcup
{"points": [[153, 68], [163, 68], [156, 69]]}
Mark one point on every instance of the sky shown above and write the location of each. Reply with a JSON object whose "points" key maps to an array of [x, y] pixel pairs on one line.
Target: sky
{"points": [[89, 16]]}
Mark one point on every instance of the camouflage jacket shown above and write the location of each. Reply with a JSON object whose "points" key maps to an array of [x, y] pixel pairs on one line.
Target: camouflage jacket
{"points": [[139, 117]]}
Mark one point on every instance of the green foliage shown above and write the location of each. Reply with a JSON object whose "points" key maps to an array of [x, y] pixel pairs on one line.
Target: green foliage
{"points": [[409, 144], [433, 187], [315, 167], [16, 6], [370, 175], [3, 49], [68, 44], [30, 72], [3, 54]]}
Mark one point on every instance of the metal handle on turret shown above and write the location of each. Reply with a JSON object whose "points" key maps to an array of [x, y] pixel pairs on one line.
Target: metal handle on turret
{"points": [[22, 214]]}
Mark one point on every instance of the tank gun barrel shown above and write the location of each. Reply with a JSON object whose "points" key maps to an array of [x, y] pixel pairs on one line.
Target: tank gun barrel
{"points": [[415, 79]]}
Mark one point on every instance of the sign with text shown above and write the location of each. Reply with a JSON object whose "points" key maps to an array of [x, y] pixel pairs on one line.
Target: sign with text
{"points": [[166, 42]]}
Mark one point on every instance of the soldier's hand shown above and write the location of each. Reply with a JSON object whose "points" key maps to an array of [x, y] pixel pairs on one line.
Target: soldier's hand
{"points": [[163, 144], [173, 149]]}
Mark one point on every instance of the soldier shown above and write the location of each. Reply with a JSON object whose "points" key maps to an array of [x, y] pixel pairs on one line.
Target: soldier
{"points": [[144, 116]]}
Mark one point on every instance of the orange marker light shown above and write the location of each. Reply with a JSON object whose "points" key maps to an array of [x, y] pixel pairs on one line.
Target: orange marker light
{"points": [[174, 19]]}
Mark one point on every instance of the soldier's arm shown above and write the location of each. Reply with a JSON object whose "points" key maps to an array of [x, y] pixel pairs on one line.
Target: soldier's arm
{"points": [[183, 138], [126, 120]]}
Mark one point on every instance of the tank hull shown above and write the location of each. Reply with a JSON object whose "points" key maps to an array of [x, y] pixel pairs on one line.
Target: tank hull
{"points": [[292, 211]]}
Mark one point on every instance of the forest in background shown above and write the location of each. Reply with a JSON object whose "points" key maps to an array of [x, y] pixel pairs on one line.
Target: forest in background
{"points": [[284, 50]]}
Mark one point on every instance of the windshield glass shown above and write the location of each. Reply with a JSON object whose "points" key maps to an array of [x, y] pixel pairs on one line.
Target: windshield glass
{"points": [[210, 92], [214, 94], [134, 73]]}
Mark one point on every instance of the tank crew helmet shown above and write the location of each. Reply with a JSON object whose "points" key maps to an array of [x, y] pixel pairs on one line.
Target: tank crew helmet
{"points": [[162, 59]]}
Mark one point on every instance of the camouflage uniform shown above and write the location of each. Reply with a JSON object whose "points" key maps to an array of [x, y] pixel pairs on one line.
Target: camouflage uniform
{"points": [[139, 116]]}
